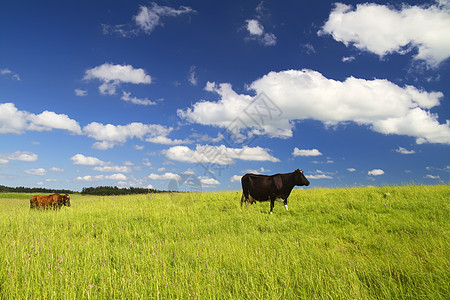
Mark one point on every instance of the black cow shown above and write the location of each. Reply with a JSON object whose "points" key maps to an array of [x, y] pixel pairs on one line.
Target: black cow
{"points": [[269, 188]]}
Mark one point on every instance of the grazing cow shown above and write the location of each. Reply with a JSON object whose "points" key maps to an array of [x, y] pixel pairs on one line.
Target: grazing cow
{"points": [[270, 188], [54, 201], [65, 200]]}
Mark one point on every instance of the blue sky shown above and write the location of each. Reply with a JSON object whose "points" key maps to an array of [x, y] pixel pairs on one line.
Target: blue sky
{"points": [[192, 95]]}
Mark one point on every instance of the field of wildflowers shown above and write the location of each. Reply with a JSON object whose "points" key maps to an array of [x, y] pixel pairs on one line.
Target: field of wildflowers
{"points": [[347, 243]]}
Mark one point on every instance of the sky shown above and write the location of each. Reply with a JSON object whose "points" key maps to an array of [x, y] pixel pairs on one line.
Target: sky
{"points": [[191, 95]]}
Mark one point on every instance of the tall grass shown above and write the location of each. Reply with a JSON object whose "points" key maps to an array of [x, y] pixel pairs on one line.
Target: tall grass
{"points": [[355, 243]]}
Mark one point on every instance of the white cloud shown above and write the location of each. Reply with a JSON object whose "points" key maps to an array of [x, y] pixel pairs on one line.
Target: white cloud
{"points": [[38, 171], [218, 154], [134, 100], [382, 30], [348, 58], [146, 162], [80, 159], [256, 171], [256, 31], [209, 181], [146, 20], [432, 176], [18, 155], [49, 120], [319, 175], [151, 16], [113, 177], [306, 152], [8, 72], [376, 172], [110, 135], [236, 178], [308, 48], [166, 141], [165, 176], [16, 121], [404, 151], [81, 93], [305, 94], [192, 77], [120, 169], [12, 120], [56, 170], [254, 27], [112, 76], [351, 169]]}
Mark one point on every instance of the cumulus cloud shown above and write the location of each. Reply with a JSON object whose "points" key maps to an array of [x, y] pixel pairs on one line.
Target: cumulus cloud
{"points": [[81, 93], [18, 155], [351, 169], [16, 121], [112, 76], [306, 152], [110, 135], [165, 176], [319, 175], [383, 30], [49, 120], [126, 97], [218, 154], [236, 178], [80, 159], [113, 177], [166, 141], [306, 94], [256, 31], [119, 169], [146, 20], [38, 171], [375, 172], [206, 181], [402, 150]]}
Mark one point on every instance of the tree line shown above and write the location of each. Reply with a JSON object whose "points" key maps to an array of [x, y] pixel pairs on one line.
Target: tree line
{"points": [[21, 189], [99, 190], [114, 190]]}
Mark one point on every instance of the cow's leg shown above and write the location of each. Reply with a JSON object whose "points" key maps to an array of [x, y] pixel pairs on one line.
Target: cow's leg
{"points": [[272, 203], [285, 204], [242, 199]]}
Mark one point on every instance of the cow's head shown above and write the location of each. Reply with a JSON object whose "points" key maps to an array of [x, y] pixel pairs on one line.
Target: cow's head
{"points": [[300, 178], [66, 200]]}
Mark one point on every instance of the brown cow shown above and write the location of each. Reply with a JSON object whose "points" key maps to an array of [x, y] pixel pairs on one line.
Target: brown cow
{"points": [[54, 201]]}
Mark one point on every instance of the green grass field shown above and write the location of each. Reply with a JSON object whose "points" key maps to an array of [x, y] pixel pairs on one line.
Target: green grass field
{"points": [[349, 243]]}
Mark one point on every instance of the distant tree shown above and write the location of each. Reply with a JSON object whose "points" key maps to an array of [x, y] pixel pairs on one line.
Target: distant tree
{"points": [[21, 189], [114, 190]]}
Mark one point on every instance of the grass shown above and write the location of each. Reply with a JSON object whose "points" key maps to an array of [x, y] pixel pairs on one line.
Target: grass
{"points": [[349, 243]]}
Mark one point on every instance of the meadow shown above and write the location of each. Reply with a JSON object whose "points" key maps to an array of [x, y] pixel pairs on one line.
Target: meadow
{"points": [[345, 243]]}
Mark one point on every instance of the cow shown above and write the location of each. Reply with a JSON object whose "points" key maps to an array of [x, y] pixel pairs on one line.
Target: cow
{"points": [[51, 201], [65, 200], [270, 188]]}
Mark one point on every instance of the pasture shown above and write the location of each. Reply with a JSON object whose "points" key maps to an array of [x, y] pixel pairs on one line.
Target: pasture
{"points": [[347, 243]]}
